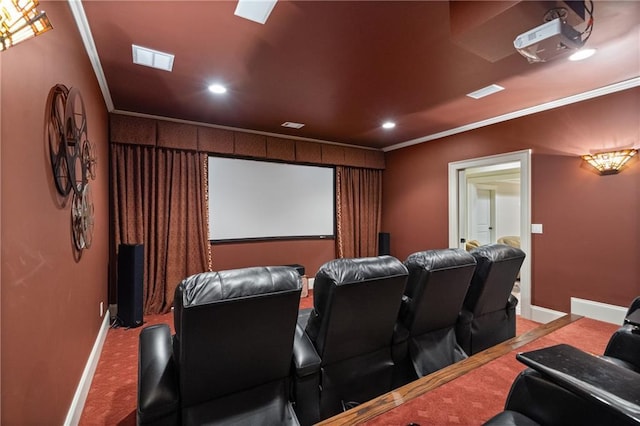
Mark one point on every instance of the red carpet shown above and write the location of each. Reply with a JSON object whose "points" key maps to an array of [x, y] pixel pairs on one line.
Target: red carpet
{"points": [[474, 398]]}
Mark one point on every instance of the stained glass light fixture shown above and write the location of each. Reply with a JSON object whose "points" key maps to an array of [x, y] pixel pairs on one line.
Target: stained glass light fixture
{"points": [[20, 20], [609, 163]]}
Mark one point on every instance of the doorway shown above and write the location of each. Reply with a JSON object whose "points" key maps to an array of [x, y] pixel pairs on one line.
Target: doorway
{"points": [[473, 213]]}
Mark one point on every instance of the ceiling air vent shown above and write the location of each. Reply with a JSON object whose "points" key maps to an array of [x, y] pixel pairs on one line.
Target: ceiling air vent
{"points": [[292, 125], [152, 58], [255, 10], [485, 91]]}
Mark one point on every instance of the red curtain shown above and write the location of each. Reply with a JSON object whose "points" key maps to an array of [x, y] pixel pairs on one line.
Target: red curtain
{"points": [[358, 211], [159, 200]]}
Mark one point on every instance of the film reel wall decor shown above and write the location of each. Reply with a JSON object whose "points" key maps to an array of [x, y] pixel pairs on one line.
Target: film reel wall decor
{"points": [[73, 159]]}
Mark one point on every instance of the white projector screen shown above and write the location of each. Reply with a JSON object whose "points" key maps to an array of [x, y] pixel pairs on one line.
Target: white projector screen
{"points": [[251, 199]]}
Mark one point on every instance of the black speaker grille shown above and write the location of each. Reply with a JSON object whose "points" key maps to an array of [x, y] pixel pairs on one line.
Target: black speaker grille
{"points": [[384, 243], [130, 282]]}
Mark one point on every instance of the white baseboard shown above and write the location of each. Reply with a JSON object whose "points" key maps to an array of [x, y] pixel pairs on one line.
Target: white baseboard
{"points": [[544, 315], [80, 397], [599, 311]]}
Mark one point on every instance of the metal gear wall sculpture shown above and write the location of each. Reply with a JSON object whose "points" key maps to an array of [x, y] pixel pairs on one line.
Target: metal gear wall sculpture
{"points": [[73, 159]]}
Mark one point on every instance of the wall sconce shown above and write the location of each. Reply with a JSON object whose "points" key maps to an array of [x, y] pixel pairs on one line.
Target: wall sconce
{"points": [[609, 163], [19, 20]]}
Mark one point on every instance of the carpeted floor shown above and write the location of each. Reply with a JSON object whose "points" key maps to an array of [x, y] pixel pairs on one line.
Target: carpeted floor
{"points": [[112, 397]]}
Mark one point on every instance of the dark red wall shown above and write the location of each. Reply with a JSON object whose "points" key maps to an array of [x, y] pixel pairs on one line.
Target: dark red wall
{"points": [[590, 244], [49, 301]]}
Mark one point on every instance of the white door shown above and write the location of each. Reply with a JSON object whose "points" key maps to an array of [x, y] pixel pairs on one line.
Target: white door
{"points": [[482, 217]]}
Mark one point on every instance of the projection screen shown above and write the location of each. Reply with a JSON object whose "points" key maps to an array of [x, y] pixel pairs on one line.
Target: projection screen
{"points": [[251, 199]]}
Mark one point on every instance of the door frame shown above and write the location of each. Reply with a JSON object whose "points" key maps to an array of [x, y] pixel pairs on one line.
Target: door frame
{"points": [[456, 199]]}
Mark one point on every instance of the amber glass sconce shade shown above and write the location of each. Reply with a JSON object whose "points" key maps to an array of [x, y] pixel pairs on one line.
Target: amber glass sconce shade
{"points": [[609, 163], [19, 21]]}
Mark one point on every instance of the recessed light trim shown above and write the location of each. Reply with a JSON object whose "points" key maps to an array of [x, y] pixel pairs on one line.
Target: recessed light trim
{"points": [[582, 54], [292, 125], [218, 89], [485, 91], [152, 58], [255, 10], [388, 125]]}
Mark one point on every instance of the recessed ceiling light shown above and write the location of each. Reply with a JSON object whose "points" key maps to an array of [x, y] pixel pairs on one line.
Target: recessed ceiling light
{"points": [[255, 10], [388, 125], [152, 58], [218, 89], [292, 125], [582, 54], [485, 91]]}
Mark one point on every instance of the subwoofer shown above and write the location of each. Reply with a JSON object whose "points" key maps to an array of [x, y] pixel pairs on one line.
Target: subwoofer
{"points": [[130, 282], [384, 243]]}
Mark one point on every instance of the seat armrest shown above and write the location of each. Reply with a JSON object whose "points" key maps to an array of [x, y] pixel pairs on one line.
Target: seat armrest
{"points": [[405, 306], [624, 345], [512, 302], [400, 343], [463, 330], [303, 317], [400, 334], [158, 394], [635, 305], [306, 360], [545, 402], [306, 378]]}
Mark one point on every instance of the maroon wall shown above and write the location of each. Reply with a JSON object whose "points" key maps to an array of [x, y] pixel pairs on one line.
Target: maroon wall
{"points": [[590, 244], [49, 301]]}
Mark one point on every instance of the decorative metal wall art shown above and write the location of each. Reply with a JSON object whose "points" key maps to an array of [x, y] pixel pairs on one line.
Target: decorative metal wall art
{"points": [[73, 159]]}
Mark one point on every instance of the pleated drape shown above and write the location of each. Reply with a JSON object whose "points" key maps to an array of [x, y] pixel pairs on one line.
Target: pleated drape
{"points": [[358, 211], [159, 200]]}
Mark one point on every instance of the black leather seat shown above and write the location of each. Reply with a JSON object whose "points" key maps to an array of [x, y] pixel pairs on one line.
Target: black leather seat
{"points": [[342, 351], [437, 285], [624, 345], [536, 400], [229, 361], [488, 315]]}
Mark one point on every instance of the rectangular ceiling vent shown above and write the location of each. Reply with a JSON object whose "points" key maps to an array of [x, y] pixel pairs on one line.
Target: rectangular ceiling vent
{"points": [[485, 91], [152, 58], [255, 10], [292, 125]]}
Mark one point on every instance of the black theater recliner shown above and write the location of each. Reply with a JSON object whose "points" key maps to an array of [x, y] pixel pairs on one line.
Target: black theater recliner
{"points": [[624, 345], [229, 361], [437, 285], [488, 316], [342, 351], [535, 400]]}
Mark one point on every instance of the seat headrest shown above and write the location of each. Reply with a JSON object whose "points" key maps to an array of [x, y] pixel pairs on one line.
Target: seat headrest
{"points": [[208, 287], [347, 271], [496, 253], [432, 260]]}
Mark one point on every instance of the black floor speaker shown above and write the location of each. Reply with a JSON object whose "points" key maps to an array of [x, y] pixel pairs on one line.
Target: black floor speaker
{"points": [[384, 243], [130, 281]]}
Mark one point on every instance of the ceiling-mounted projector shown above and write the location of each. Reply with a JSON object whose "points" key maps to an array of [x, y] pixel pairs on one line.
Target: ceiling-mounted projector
{"points": [[549, 40]]}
